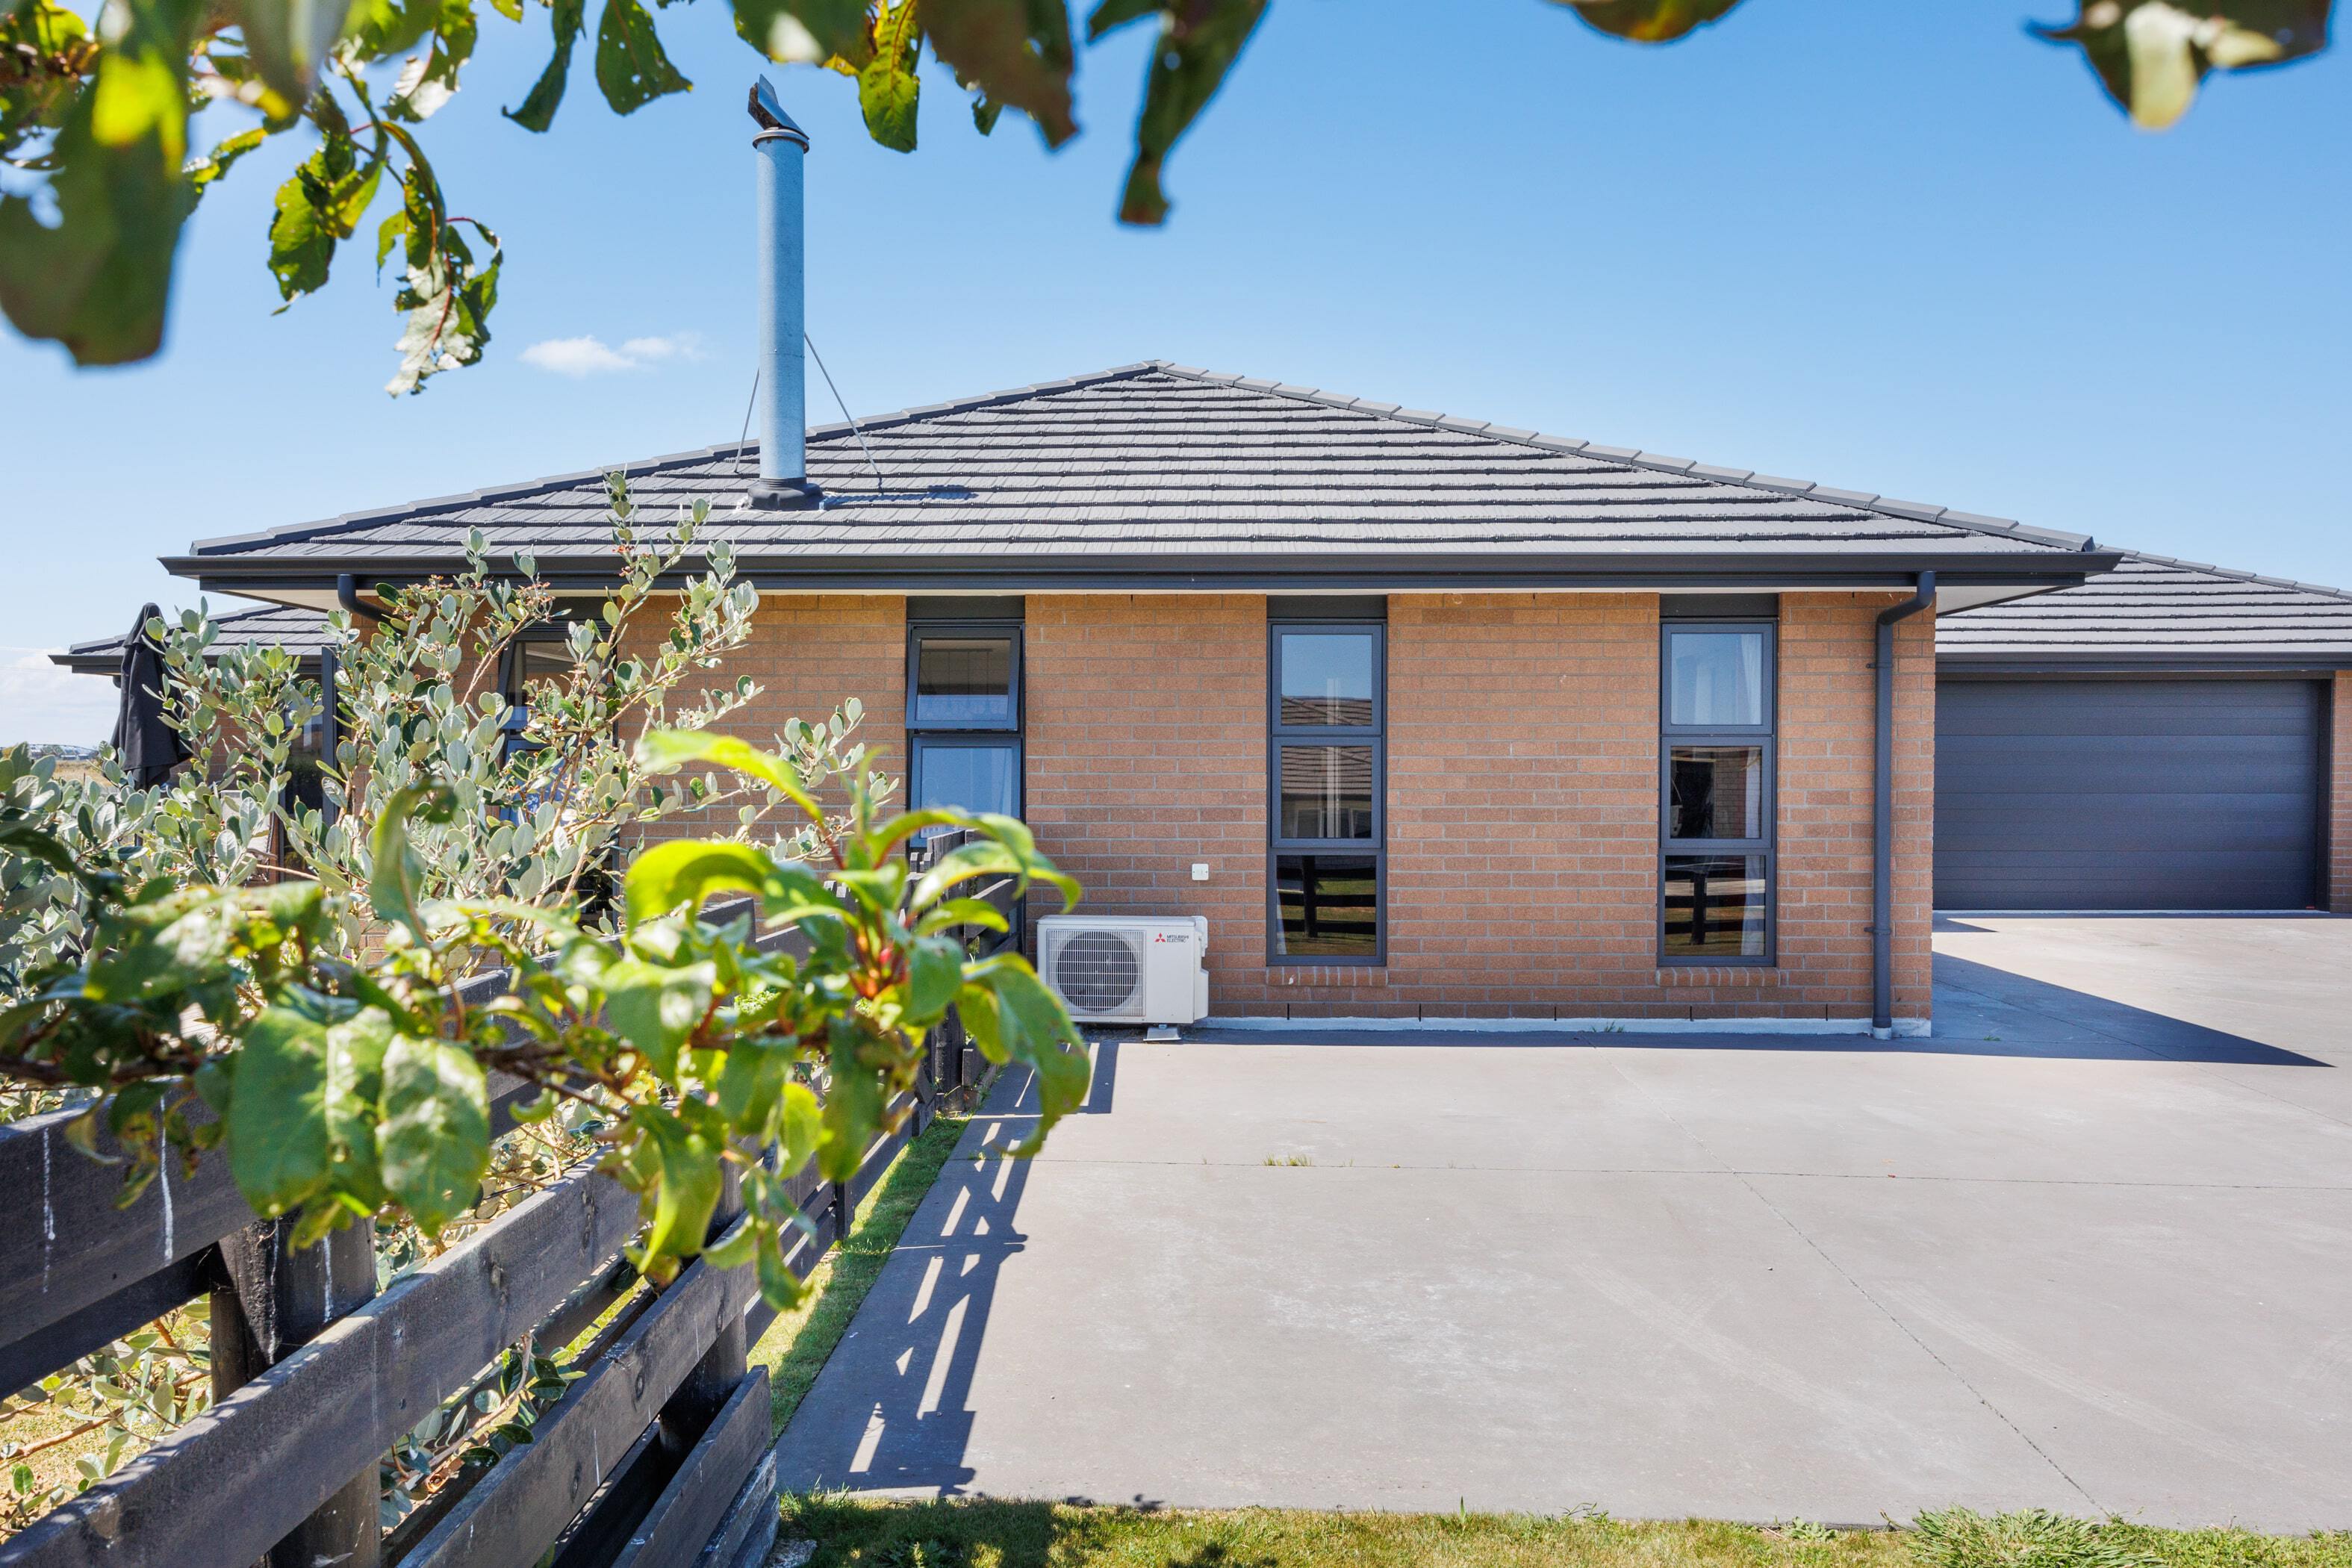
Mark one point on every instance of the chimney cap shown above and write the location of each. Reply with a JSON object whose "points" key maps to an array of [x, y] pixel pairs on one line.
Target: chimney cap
{"points": [[770, 115]]}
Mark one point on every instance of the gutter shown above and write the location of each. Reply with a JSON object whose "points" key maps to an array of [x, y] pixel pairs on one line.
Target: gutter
{"points": [[2313, 664], [1270, 572], [347, 595], [1882, 801]]}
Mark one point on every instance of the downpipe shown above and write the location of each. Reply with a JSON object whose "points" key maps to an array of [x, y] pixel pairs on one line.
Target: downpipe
{"points": [[330, 706], [1882, 801]]}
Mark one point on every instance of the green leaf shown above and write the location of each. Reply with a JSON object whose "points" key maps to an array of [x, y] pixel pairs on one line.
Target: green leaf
{"points": [[1013, 1016], [888, 88], [50, 51], [288, 38], [949, 913], [690, 1179], [429, 80], [449, 299], [655, 1007], [802, 32], [538, 109], [751, 1083], [853, 1106], [743, 1238], [801, 1132], [380, 28], [666, 750], [317, 209], [631, 67], [934, 974], [680, 874], [395, 229], [1197, 44], [167, 943], [433, 1136], [99, 281], [778, 1286], [395, 873], [1650, 21], [1011, 852], [354, 1091], [1017, 53], [279, 1139], [2152, 55], [215, 165]]}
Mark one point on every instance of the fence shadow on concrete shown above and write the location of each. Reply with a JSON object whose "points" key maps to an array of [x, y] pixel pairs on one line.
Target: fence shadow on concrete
{"points": [[907, 1430]]}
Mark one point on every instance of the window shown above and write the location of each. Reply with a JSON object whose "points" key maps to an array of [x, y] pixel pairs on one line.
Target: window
{"points": [[963, 704], [1326, 745], [1715, 805], [540, 654]]}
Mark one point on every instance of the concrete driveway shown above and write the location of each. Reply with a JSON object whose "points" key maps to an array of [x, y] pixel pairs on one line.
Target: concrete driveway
{"points": [[2090, 1247]]}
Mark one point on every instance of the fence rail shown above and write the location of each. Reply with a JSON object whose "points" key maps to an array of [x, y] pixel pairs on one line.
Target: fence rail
{"points": [[657, 1454]]}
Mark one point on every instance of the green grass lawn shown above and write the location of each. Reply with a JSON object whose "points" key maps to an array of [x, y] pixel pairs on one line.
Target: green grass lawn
{"points": [[1054, 1535], [796, 1345]]}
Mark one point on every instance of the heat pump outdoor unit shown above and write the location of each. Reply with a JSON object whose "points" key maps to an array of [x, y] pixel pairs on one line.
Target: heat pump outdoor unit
{"points": [[1115, 969]]}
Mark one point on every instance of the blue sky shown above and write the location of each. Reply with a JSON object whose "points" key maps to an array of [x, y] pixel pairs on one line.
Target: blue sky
{"points": [[1899, 248]]}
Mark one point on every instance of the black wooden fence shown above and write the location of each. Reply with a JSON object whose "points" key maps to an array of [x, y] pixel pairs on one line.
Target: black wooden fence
{"points": [[658, 1454]]}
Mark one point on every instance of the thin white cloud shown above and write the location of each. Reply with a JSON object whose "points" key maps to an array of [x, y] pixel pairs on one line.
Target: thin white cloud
{"points": [[576, 357], [47, 703], [678, 345], [586, 356]]}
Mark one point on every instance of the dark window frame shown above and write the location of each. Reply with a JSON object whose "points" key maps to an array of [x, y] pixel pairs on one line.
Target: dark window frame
{"points": [[1765, 736], [1279, 623], [556, 632], [921, 741], [917, 630], [968, 734], [922, 738]]}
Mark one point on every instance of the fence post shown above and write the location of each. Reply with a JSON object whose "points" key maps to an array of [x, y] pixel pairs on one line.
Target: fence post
{"points": [[276, 1301], [688, 1411]]}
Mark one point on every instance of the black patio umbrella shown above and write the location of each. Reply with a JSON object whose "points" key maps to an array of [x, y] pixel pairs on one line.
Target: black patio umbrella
{"points": [[147, 746]]}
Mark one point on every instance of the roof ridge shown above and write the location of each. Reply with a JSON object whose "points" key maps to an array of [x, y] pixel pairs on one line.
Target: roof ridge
{"points": [[984, 400], [734, 450], [1910, 512]]}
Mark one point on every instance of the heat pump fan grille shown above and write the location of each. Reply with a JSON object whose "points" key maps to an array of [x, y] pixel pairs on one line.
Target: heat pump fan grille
{"points": [[1096, 972]]}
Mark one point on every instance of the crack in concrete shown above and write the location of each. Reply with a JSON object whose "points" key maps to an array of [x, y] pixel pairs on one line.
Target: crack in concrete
{"points": [[1864, 1291]]}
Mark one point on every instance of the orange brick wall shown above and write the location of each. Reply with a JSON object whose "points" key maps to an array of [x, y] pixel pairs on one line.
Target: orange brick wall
{"points": [[1827, 700], [1523, 811], [1522, 801], [1522, 792], [1146, 753], [2339, 814], [808, 653]]}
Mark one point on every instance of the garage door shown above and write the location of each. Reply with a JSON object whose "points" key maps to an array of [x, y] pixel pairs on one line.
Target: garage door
{"points": [[2127, 795]]}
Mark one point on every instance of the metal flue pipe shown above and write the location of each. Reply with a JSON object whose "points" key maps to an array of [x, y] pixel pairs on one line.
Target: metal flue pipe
{"points": [[781, 147]]}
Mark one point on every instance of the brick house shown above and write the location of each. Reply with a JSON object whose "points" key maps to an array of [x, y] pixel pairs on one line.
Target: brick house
{"points": [[1429, 717]]}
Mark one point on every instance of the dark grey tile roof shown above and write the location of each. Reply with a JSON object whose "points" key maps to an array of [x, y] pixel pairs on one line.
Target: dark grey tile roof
{"points": [[298, 631], [1156, 467], [2156, 611]]}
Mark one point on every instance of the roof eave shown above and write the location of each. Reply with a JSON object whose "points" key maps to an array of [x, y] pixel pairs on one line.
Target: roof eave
{"points": [[1364, 573], [2284, 662]]}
